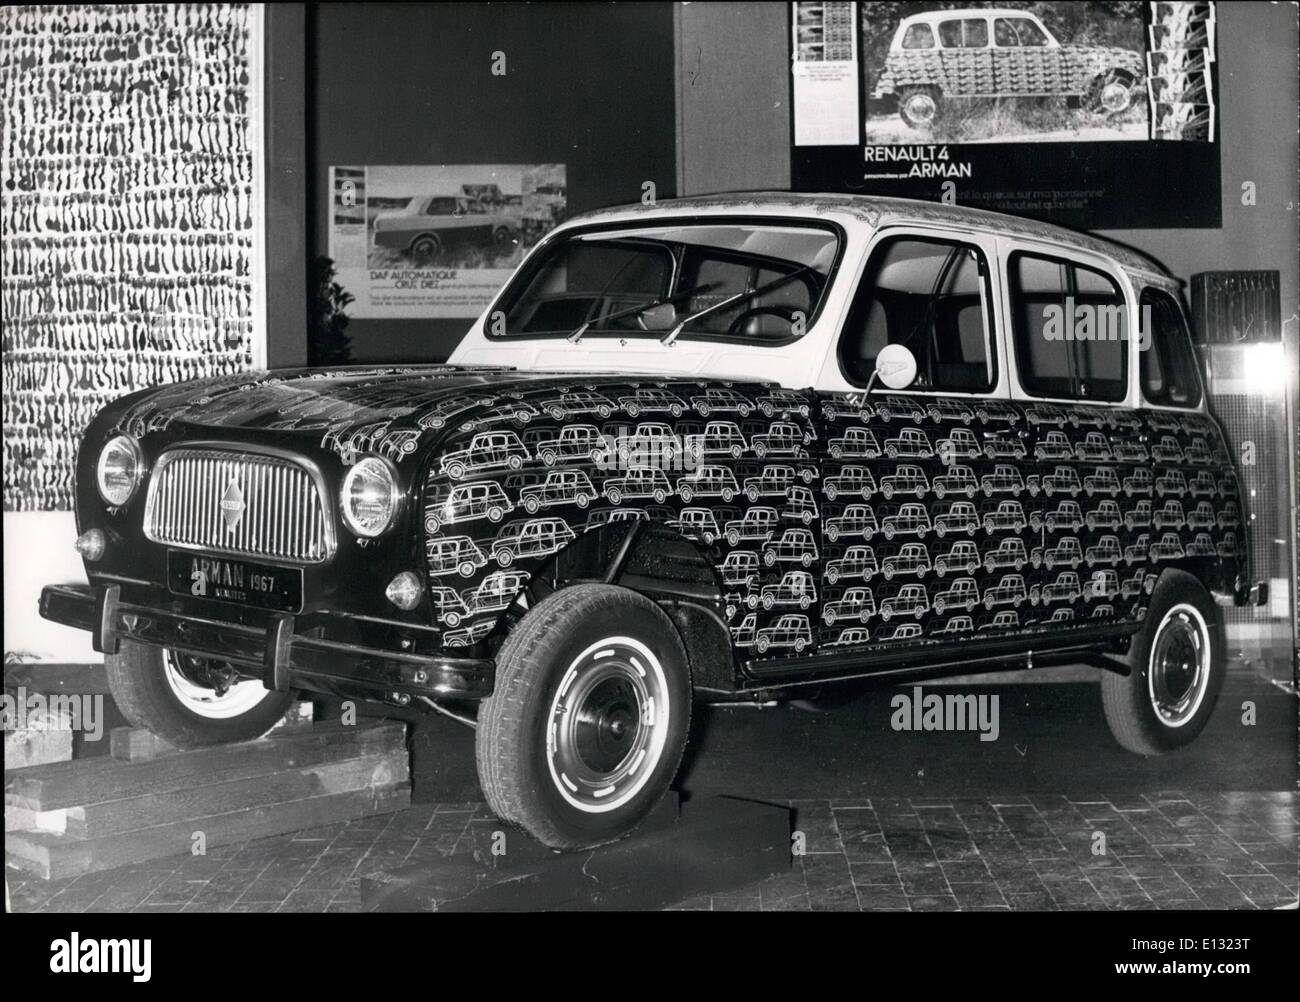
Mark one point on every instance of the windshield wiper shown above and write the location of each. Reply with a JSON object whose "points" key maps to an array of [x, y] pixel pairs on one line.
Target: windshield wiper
{"points": [[739, 297], [632, 311]]}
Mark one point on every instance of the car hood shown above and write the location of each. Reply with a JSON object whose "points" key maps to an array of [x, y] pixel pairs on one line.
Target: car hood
{"points": [[394, 412]]}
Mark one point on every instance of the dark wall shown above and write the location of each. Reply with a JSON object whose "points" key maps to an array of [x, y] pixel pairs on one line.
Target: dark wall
{"points": [[587, 85], [286, 196]]}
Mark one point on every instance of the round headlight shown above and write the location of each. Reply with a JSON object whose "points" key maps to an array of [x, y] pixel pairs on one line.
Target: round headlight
{"points": [[370, 496], [119, 471]]}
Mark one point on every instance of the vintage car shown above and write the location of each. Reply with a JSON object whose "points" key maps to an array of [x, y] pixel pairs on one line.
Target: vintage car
{"points": [[429, 226], [233, 562], [938, 56]]}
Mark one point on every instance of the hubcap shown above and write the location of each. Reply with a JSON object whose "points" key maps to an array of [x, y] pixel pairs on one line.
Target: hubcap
{"points": [[1115, 96], [608, 724], [210, 689], [920, 107], [1179, 672]]}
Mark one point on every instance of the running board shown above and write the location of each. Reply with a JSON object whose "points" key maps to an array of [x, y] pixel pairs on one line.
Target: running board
{"points": [[971, 657]]}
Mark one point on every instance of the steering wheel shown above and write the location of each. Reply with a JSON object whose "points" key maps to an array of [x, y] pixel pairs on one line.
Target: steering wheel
{"points": [[786, 313]]}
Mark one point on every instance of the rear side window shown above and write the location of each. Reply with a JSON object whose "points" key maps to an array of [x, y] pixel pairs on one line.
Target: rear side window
{"points": [[1070, 329], [967, 33], [1014, 31], [1167, 365], [932, 297]]}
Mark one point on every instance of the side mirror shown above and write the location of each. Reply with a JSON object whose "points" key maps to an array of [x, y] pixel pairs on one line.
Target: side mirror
{"points": [[895, 367]]}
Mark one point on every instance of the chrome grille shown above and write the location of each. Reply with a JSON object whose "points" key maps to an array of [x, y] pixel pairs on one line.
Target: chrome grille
{"points": [[284, 515]]}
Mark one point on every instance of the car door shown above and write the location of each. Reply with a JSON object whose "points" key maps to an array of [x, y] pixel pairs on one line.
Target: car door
{"points": [[1077, 390], [967, 56], [1024, 60], [936, 290]]}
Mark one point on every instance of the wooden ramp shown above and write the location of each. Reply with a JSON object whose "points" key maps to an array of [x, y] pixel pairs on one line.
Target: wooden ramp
{"points": [[148, 800]]}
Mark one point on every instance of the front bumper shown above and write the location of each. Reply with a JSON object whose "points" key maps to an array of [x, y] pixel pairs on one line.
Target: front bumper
{"points": [[285, 658]]}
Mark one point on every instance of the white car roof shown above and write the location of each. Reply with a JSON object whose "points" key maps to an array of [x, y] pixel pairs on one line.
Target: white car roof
{"points": [[948, 15]]}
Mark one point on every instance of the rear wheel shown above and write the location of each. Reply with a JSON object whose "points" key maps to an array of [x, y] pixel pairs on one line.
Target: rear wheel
{"points": [[1176, 671], [589, 718], [1110, 93], [190, 701]]}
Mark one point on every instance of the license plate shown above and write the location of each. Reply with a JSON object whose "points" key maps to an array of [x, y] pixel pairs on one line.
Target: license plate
{"points": [[224, 580]]}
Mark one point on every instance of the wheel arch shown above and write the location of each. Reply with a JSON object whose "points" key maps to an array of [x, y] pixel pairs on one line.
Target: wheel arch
{"points": [[653, 559]]}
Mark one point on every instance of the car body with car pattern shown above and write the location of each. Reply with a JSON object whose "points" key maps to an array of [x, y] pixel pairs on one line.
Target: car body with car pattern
{"points": [[253, 536]]}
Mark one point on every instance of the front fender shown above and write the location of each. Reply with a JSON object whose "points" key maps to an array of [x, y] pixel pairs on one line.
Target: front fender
{"points": [[500, 517]]}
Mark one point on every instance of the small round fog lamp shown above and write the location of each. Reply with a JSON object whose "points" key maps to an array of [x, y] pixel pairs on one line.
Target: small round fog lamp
{"points": [[404, 591], [91, 545]]}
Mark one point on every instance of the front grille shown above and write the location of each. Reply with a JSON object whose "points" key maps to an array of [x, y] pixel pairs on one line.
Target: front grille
{"points": [[195, 493]]}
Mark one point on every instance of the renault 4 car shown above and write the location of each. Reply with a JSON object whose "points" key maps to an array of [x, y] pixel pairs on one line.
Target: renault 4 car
{"points": [[238, 553]]}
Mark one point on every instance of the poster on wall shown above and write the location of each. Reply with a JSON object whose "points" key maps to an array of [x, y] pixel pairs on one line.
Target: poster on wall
{"points": [[1099, 115], [825, 69], [437, 241]]}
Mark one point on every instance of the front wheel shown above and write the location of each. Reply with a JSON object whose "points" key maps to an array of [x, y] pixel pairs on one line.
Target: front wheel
{"points": [[425, 249], [1176, 671], [919, 106], [190, 701], [589, 718]]}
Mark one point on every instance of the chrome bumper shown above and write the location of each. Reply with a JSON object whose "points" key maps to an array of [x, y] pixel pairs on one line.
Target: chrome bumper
{"points": [[286, 659]]}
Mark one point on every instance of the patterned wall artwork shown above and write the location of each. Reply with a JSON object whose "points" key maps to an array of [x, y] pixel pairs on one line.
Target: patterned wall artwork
{"points": [[128, 216]]}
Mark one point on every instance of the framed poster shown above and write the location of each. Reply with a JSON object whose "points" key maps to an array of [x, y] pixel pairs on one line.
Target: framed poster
{"points": [[1098, 115], [437, 241]]}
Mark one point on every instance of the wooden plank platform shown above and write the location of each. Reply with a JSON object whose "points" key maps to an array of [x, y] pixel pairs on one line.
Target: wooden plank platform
{"points": [[717, 844], [69, 818]]}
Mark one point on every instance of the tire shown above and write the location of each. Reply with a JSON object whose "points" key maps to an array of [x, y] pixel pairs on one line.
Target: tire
{"points": [[424, 249], [153, 693], [1182, 622], [547, 670], [1110, 94]]}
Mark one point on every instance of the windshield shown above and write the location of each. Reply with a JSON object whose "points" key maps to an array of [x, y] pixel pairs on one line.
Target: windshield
{"points": [[747, 281]]}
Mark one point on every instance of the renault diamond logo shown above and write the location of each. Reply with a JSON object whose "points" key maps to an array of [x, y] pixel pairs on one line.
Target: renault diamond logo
{"points": [[232, 504]]}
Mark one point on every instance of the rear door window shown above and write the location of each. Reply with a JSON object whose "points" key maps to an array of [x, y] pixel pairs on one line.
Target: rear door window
{"points": [[1070, 329], [964, 33]]}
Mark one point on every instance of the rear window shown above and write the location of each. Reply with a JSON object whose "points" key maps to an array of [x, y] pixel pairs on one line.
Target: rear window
{"points": [[1168, 364], [748, 281]]}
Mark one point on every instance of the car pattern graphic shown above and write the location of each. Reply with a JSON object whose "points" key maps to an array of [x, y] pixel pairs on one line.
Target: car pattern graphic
{"points": [[833, 520]]}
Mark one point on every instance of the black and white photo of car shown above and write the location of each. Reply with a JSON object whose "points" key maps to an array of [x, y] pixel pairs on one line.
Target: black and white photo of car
{"points": [[853, 603], [531, 537], [463, 502], [489, 450], [560, 487], [574, 442], [638, 482]]}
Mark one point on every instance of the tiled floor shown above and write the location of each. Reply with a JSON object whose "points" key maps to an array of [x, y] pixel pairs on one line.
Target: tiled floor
{"points": [[1164, 850]]}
